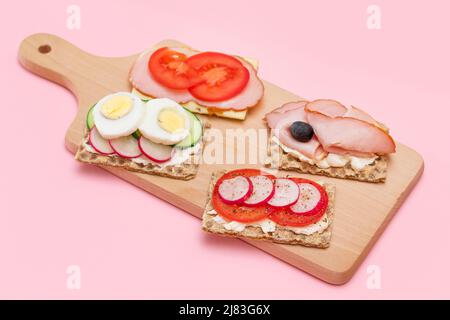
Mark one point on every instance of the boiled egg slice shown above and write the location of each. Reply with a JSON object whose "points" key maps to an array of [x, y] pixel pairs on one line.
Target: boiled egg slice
{"points": [[165, 122], [118, 115]]}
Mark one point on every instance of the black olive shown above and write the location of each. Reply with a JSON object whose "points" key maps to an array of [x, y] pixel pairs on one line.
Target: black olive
{"points": [[301, 131]]}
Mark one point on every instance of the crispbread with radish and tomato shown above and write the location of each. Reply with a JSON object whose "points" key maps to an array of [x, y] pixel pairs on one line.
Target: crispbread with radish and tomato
{"points": [[154, 137], [254, 204], [324, 137], [211, 83]]}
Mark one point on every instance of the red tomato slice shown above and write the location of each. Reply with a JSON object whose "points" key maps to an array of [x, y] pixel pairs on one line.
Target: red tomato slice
{"points": [[223, 76], [285, 217], [237, 212], [169, 68]]}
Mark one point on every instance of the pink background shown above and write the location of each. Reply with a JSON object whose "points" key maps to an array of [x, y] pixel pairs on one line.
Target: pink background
{"points": [[56, 212]]}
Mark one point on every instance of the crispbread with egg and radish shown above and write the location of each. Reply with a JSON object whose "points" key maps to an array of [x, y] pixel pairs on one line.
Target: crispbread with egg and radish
{"points": [[156, 137], [288, 216], [324, 137], [210, 83]]}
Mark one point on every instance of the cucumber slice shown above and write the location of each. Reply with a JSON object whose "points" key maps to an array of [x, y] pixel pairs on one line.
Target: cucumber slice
{"points": [[90, 118], [195, 132], [137, 134]]}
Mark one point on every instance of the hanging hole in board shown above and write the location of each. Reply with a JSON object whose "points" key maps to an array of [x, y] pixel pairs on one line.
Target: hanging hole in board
{"points": [[45, 48]]}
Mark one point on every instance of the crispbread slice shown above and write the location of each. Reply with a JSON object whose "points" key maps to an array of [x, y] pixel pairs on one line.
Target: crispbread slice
{"points": [[281, 234], [278, 159], [183, 171]]}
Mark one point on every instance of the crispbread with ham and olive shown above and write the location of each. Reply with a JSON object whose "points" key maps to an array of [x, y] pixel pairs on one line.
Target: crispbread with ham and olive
{"points": [[204, 82], [324, 137], [250, 203]]}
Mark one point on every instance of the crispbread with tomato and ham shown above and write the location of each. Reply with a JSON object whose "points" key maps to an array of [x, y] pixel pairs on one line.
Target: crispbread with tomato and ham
{"points": [[324, 137], [203, 82], [254, 204]]}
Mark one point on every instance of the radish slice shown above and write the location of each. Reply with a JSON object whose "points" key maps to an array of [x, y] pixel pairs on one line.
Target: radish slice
{"points": [[235, 190], [308, 200], [126, 147], [286, 193], [263, 190], [100, 144], [155, 151]]}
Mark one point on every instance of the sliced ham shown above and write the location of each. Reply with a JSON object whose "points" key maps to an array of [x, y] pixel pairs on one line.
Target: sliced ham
{"points": [[342, 151], [290, 106], [311, 149], [280, 121], [142, 80], [295, 109], [356, 113], [330, 108], [333, 108], [347, 131]]}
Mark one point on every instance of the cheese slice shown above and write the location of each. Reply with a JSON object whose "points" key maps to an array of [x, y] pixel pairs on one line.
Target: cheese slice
{"points": [[196, 108]]}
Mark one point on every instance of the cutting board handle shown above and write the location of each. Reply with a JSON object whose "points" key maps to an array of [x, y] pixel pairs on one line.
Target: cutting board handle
{"points": [[57, 60], [53, 58], [87, 76]]}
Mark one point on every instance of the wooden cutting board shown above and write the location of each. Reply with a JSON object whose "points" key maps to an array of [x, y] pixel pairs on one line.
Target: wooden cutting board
{"points": [[363, 210]]}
